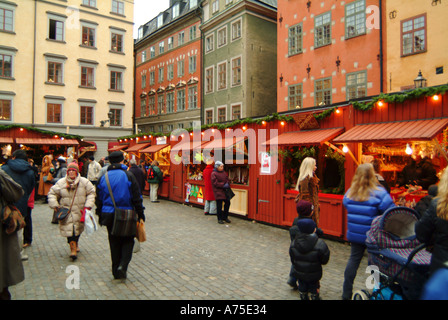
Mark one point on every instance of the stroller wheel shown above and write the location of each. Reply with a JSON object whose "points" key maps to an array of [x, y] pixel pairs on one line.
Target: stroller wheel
{"points": [[361, 295]]}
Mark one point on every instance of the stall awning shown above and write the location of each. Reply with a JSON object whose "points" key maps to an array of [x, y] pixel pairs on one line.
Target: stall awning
{"points": [[6, 140], [223, 143], [117, 148], [88, 146], [47, 141], [154, 148], [137, 147], [305, 137], [399, 130]]}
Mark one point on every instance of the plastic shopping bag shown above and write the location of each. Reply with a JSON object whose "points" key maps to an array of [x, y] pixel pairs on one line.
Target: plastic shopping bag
{"points": [[90, 223]]}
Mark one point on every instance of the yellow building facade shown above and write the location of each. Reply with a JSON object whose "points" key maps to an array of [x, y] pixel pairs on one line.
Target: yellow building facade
{"points": [[416, 41], [67, 66]]}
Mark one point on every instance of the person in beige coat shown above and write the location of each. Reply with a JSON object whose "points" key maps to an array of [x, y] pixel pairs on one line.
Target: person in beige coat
{"points": [[61, 195]]}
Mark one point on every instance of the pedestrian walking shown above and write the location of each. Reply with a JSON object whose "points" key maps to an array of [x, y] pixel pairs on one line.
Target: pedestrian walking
{"points": [[308, 185], [46, 175], [28, 229], [305, 210], [210, 201], [104, 168], [11, 267], [62, 169], [77, 194], [155, 177], [308, 253], [93, 171], [220, 182], [126, 195], [377, 165], [138, 173], [432, 228], [364, 200]]}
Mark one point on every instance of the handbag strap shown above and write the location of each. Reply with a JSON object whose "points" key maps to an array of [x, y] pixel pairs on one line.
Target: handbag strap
{"points": [[73, 200], [110, 190]]}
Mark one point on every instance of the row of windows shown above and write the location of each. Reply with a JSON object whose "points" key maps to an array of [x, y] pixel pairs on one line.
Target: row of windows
{"points": [[221, 114], [221, 71], [413, 31], [356, 87], [170, 43], [169, 102], [222, 37], [192, 67], [170, 127], [215, 5], [54, 111]]}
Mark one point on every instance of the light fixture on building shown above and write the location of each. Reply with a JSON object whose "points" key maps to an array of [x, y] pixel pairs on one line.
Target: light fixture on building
{"points": [[408, 149], [110, 115], [420, 81]]}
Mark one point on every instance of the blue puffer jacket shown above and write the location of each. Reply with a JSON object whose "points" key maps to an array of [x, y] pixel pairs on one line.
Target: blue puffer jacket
{"points": [[361, 214]]}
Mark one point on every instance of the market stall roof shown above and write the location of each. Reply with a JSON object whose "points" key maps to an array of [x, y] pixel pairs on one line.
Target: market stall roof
{"points": [[154, 148], [88, 146], [223, 143], [305, 137], [137, 147], [118, 147], [6, 140], [47, 141], [188, 145], [398, 130]]}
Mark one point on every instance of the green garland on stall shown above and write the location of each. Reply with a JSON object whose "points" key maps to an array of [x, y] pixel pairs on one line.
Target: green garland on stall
{"points": [[64, 135], [389, 98], [292, 158], [219, 126]]}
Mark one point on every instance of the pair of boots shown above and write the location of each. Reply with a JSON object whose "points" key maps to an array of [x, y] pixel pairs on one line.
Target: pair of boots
{"points": [[309, 296], [74, 249]]}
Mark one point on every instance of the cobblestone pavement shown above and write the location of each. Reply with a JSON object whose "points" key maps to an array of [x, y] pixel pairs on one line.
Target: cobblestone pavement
{"points": [[188, 256]]}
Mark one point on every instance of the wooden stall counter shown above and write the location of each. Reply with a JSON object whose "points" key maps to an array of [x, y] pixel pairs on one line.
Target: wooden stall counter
{"points": [[332, 213]]}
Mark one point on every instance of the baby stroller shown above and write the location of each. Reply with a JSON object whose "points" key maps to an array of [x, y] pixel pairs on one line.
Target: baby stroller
{"points": [[400, 266]]}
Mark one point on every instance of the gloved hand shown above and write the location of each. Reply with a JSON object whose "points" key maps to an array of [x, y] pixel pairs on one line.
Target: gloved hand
{"points": [[226, 185]]}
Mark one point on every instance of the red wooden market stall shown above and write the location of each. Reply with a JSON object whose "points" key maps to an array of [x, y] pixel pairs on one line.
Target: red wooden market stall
{"points": [[264, 155]]}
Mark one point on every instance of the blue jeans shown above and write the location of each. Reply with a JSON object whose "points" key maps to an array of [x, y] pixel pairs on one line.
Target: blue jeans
{"points": [[356, 254]]}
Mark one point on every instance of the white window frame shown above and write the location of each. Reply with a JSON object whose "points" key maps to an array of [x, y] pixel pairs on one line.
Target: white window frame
{"points": [[54, 101], [215, 6], [223, 107], [175, 12], [123, 37], [91, 26], [232, 25], [12, 7], [118, 107], [119, 4], [87, 65], [232, 84], [222, 37], [87, 104], [236, 104], [192, 64], [9, 97], [58, 18], [213, 114], [12, 53], [192, 98], [212, 68], [209, 43], [55, 60], [220, 85]]}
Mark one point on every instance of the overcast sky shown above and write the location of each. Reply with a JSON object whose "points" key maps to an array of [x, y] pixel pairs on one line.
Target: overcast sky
{"points": [[145, 10]]}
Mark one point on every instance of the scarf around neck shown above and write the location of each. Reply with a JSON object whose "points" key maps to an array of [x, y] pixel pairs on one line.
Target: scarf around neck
{"points": [[71, 184]]}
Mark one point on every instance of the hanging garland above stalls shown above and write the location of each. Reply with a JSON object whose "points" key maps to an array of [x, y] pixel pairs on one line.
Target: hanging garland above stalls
{"points": [[47, 132], [389, 98], [218, 126]]}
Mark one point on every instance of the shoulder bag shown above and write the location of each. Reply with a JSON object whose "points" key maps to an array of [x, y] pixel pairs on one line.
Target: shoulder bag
{"points": [[62, 212], [125, 220]]}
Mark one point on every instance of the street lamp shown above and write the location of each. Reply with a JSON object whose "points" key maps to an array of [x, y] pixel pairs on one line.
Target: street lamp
{"points": [[420, 82], [110, 115]]}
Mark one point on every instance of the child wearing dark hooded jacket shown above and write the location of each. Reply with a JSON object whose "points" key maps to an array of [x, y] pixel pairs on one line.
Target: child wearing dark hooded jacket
{"points": [[308, 253]]}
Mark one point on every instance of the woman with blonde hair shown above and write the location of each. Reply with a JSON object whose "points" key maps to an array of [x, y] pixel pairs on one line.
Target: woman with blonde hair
{"points": [[308, 185], [364, 200], [46, 175], [432, 228]]}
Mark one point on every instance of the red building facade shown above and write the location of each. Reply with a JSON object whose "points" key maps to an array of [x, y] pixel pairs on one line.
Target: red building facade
{"points": [[168, 71], [328, 52]]}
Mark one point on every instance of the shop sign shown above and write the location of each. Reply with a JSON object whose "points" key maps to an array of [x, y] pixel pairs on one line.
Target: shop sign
{"points": [[266, 160]]}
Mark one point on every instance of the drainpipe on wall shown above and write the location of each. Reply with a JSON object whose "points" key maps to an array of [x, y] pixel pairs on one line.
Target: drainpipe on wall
{"points": [[34, 64], [200, 13], [381, 47]]}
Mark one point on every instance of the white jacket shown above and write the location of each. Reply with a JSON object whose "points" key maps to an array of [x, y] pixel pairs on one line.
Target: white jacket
{"points": [[93, 172]]}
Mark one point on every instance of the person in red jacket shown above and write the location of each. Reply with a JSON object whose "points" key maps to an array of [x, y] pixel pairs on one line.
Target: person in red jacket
{"points": [[210, 202]]}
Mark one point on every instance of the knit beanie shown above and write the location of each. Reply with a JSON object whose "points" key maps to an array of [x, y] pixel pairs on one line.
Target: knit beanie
{"points": [[306, 225], [218, 164], [304, 208], [73, 166]]}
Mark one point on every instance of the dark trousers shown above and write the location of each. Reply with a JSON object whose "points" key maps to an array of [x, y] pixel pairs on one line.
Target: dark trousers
{"points": [[356, 254], [28, 229], [222, 213], [308, 286], [120, 251]]}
